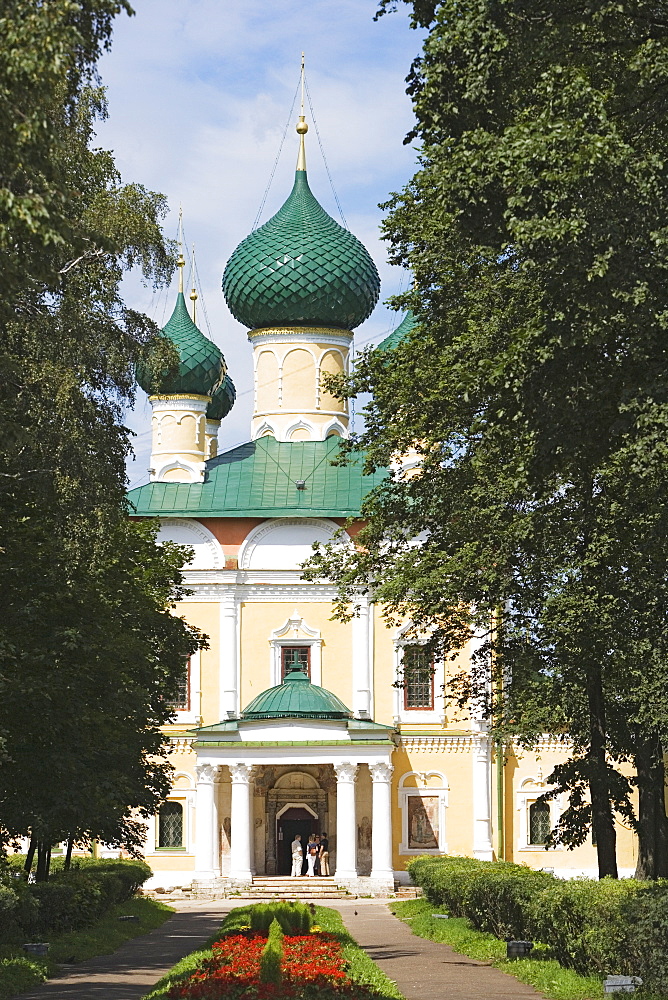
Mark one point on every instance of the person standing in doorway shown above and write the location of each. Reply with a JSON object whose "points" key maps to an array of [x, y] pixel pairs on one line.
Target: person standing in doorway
{"points": [[297, 855], [311, 856], [324, 855]]}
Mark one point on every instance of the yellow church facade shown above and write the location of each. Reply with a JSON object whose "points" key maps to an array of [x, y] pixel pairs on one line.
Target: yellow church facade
{"points": [[291, 721]]}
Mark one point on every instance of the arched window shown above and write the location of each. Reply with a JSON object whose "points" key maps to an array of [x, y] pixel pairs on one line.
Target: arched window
{"points": [[539, 822], [170, 825]]}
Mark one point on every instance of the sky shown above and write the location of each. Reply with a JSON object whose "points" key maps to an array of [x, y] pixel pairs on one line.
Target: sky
{"points": [[199, 96]]}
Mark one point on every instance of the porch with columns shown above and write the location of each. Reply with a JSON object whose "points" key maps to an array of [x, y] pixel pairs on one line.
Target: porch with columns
{"points": [[253, 780]]}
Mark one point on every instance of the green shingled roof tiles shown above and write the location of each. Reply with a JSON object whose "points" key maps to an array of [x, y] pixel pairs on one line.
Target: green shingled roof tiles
{"points": [[301, 268], [296, 698], [201, 365], [222, 400], [395, 338], [258, 479]]}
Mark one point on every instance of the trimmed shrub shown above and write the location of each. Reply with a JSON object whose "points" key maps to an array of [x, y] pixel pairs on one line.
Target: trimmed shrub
{"points": [[604, 927], [272, 956], [293, 918], [69, 900]]}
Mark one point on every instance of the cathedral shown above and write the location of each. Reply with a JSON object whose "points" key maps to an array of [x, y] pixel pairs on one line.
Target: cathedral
{"points": [[292, 722]]}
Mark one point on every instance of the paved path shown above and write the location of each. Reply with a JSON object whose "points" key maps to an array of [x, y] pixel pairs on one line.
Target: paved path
{"points": [[423, 970], [130, 972]]}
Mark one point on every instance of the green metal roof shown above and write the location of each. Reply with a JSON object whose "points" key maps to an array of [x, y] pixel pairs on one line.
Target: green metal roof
{"points": [[402, 331], [301, 268], [296, 698], [201, 365], [258, 479], [222, 400]]}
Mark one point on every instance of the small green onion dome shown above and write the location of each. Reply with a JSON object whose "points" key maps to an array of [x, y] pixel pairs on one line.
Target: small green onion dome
{"points": [[201, 365], [301, 268], [222, 400], [296, 698], [401, 332]]}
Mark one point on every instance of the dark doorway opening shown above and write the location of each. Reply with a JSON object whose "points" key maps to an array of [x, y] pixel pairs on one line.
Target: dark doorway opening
{"points": [[293, 821]]}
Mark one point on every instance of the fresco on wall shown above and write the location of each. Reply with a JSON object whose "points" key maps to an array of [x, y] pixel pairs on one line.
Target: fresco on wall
{"points": [[422, 822]]}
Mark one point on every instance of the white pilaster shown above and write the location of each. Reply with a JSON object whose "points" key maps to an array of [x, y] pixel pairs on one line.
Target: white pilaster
{"points": [[204, 820], [346, 823], [361, 660], [381, 821], [482, 795], [240, 847], [229, 646]]}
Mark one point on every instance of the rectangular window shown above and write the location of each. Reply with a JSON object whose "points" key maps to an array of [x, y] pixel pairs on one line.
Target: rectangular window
{"points": [[295, 656], [417, 678], [182, 700], [170, 825]]}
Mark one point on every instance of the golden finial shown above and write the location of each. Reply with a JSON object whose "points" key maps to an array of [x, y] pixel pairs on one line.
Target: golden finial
{"points": [[302, 129], [181, 263], [193, 293]]}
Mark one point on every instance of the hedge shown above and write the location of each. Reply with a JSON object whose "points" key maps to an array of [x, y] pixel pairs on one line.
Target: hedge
{"points": [[69, 900], [611, 926]]}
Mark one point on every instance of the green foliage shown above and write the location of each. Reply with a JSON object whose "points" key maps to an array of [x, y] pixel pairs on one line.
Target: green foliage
{"points": [[541, 971], [272, 956], [18, 975], [593, 927], [292, 918], [533, 389], [69, 900]]}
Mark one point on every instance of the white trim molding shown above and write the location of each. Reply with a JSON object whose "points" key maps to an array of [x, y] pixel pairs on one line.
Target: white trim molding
{"points": [[259, 533], [295, 632], [213, 552], [530, 790], [408, 716]]}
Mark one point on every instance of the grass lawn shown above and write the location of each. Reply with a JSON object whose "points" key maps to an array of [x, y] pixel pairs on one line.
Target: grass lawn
{"points": [[541, 971], [19, 973], [362, 969]]}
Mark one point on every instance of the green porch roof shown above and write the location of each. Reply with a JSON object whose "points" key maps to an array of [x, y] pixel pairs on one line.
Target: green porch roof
{"points": [[259, 479]]}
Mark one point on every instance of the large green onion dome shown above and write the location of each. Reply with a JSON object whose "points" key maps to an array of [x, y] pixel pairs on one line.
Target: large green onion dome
{"points": [[301, 269], [201, 365], [222, 400], [296, 698], [394, 339]]}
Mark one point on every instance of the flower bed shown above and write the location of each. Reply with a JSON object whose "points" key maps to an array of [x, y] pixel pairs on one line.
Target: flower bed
{"points": [[313, 966]]}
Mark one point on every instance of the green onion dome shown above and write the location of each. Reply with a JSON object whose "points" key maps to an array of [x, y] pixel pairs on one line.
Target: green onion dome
{"points": [[296, 698], [201, 365], [301, 268], [401, 332], [222, 400]]}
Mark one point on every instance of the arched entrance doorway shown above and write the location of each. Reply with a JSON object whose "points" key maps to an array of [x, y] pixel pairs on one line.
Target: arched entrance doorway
{"points": [[295, 804], [294, 820]]}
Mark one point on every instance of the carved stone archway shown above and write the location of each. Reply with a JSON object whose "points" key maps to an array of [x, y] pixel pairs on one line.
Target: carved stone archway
{"points": [[295, 788]]}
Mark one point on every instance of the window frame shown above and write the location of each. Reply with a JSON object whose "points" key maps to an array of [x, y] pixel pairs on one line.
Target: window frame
{"points": [[295, 645], [405, 687], [531, 806], [158, 829]]}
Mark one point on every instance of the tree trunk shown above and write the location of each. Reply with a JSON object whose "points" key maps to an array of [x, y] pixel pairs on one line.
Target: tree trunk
{"points": [[68, 855], [652, 821], [601, 811], [43, 860], [30, 856]]}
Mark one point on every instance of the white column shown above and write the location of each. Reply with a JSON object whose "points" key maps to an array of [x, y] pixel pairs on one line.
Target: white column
{"points": [[482, 795], [381, 821], [346, 824], [240, 847], [361, 660], [229, 644], [204, 821]]}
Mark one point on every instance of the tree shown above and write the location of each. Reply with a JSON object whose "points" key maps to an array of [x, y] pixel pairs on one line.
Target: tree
{"points": [[534, 385], [91, 656]]}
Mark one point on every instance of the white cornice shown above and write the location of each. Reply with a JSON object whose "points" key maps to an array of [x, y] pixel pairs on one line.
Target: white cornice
{"points": [[284, 335]]}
